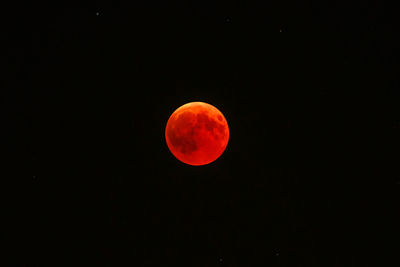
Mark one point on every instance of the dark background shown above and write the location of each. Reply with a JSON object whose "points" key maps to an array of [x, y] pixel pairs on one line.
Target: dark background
{"points": [[310, 176]]}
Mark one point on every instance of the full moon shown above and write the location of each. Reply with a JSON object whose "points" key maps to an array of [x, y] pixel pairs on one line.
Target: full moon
{"points": [[197, 133]]}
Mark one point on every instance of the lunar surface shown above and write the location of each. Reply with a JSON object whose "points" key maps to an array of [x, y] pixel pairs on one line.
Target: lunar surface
{"points": [[197, 133]]}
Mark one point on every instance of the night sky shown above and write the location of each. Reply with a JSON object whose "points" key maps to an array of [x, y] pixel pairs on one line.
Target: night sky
{"points": [[310, 175]]}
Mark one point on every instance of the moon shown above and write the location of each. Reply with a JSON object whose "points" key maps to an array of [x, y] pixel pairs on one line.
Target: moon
{"points": [[197, 133]]}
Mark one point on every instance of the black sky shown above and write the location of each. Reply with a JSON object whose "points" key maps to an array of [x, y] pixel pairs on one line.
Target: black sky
{"points": [[310, 91]]}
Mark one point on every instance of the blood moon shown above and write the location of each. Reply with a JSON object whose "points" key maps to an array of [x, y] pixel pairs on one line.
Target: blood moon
{"points": [[197, 133]]}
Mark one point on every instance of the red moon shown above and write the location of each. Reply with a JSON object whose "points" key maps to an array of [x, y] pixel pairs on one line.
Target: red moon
{"points": [[197, 133]]}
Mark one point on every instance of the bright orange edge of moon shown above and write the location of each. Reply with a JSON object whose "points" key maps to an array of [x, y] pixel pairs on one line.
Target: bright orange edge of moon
{"points": [[197, 133]]}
